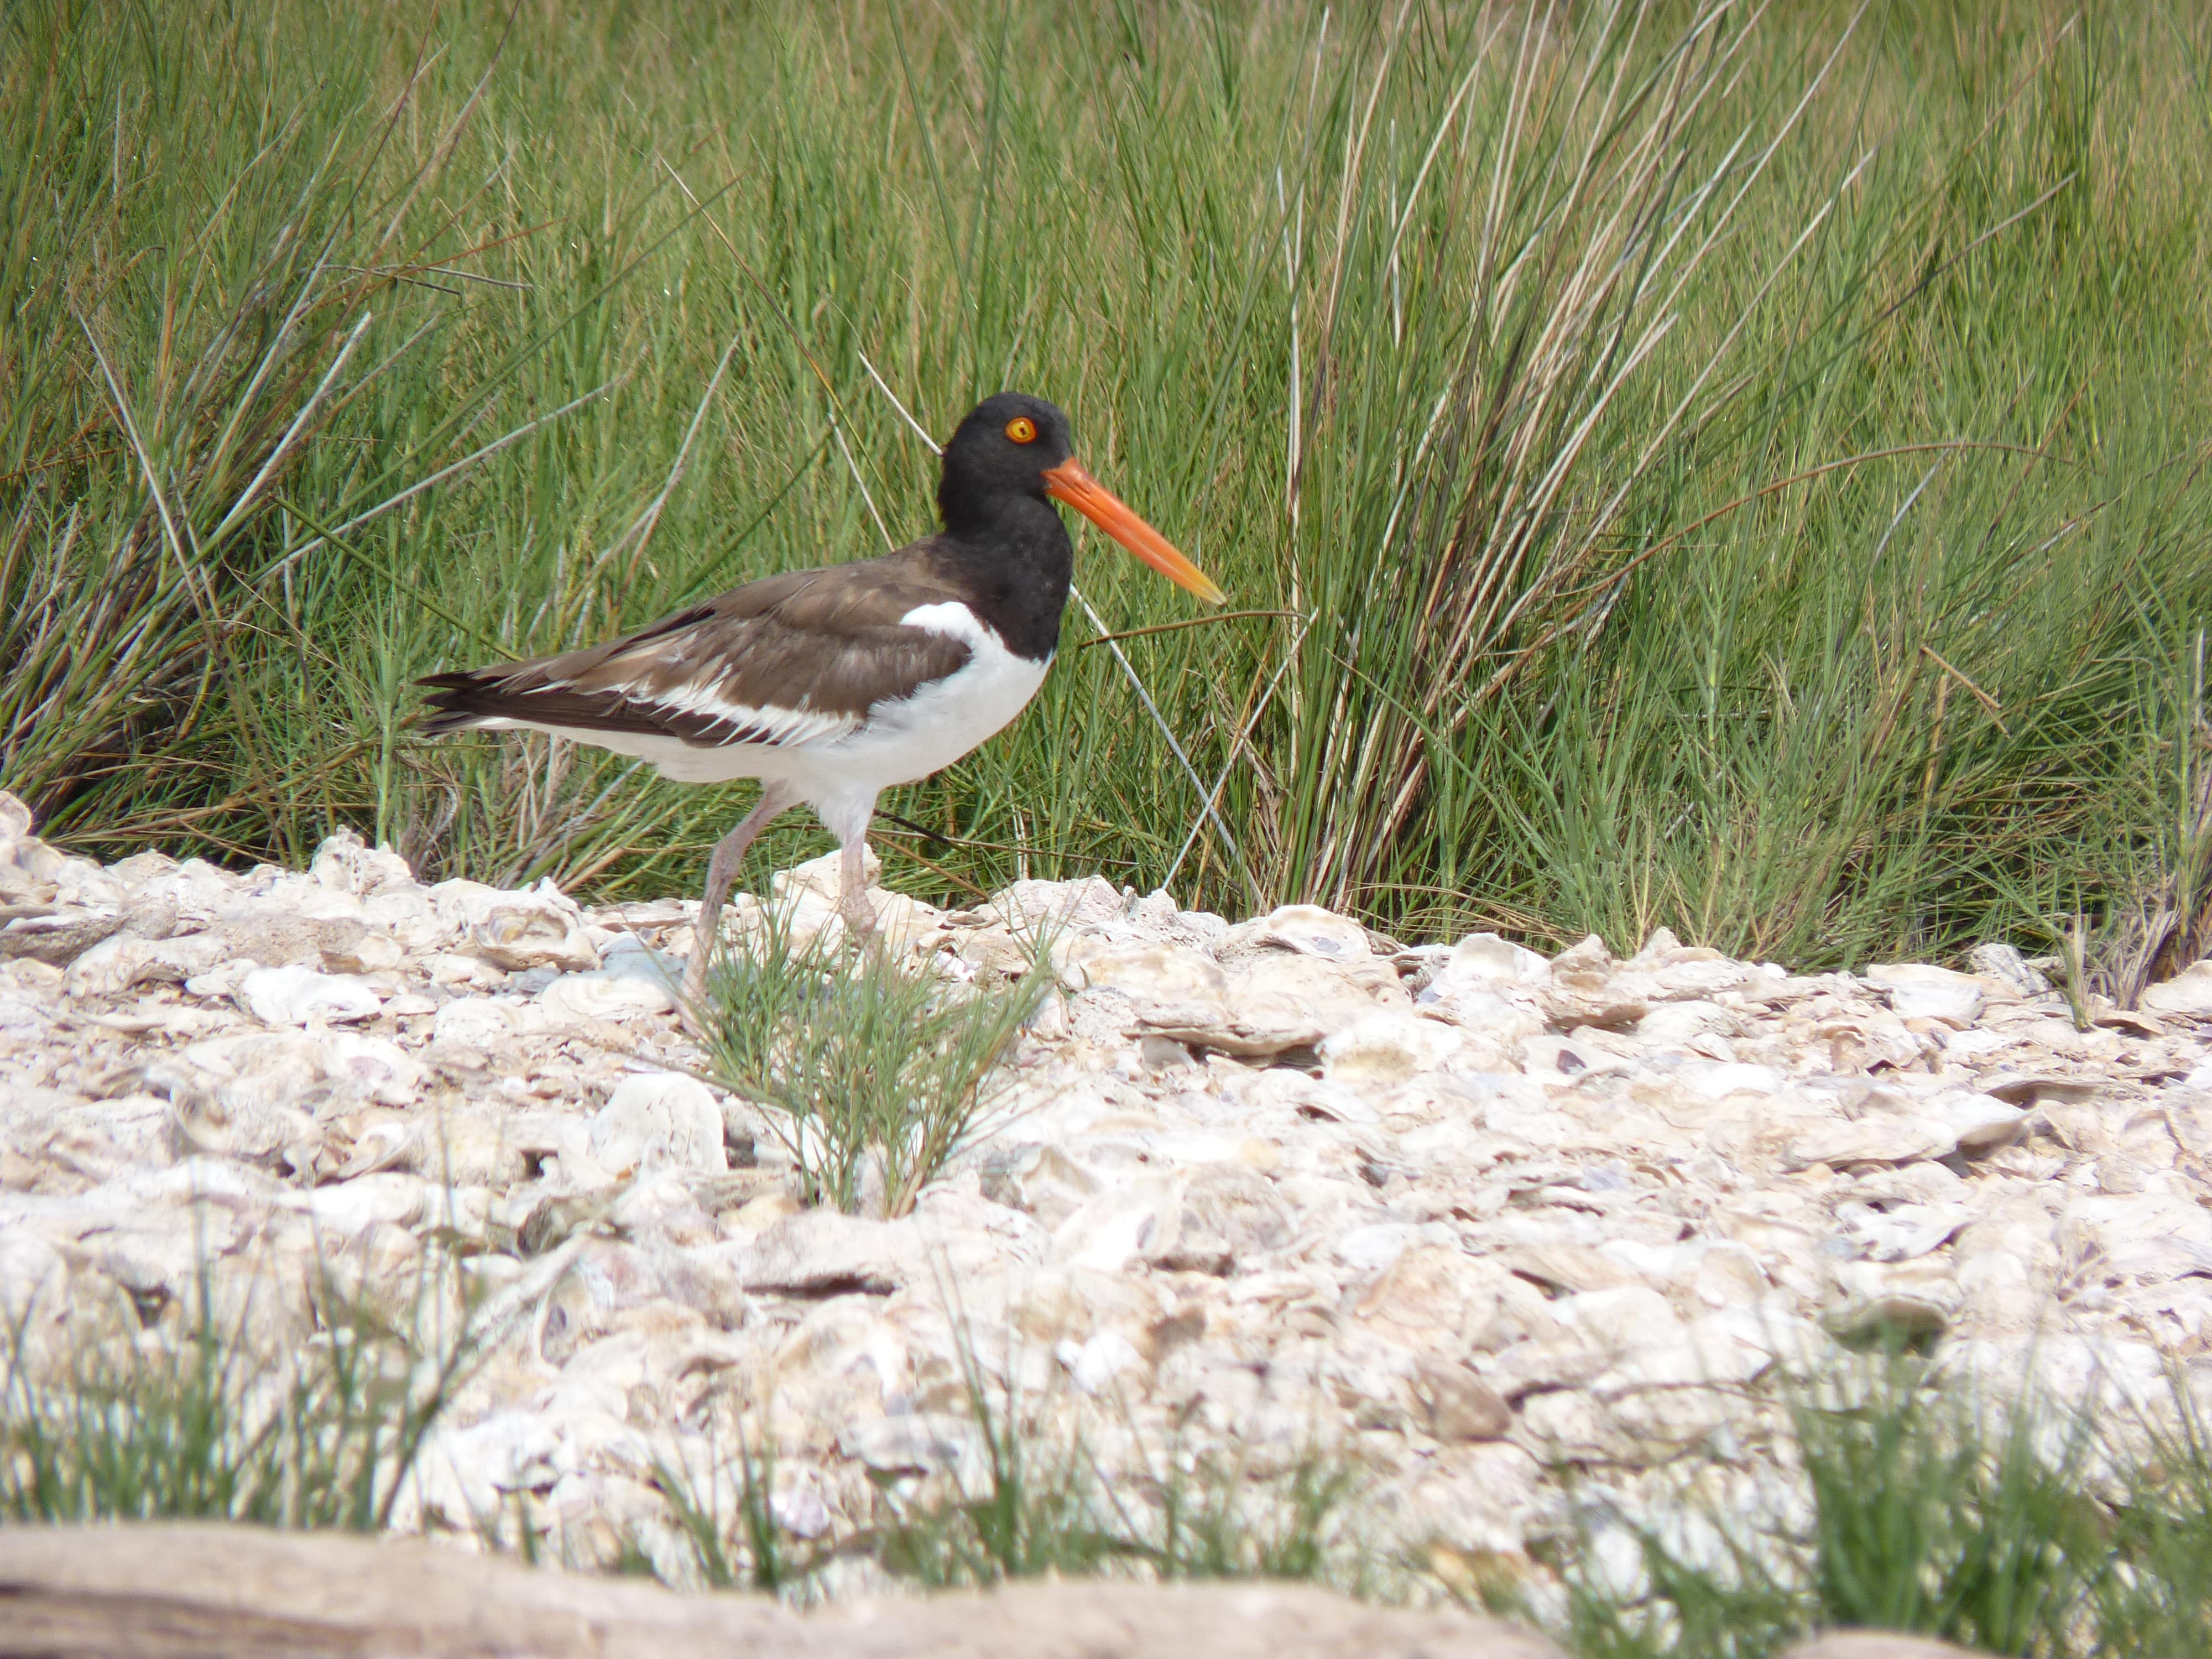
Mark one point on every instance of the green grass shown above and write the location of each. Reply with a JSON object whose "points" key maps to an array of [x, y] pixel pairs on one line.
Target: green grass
{"points": [[876, 1071], [2013, 1526], [1734, 469], [199, 1418], [1042, 1508]]}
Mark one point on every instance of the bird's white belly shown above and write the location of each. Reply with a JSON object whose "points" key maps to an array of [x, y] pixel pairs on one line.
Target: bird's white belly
{"points": [[906, 738], [923, 733]]}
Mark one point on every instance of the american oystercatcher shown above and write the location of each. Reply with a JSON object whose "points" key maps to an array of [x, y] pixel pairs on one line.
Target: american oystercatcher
{"points": [[831, 685]]}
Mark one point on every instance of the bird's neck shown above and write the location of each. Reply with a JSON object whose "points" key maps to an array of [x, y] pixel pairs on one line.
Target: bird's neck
{"points": [[1017, 562]]}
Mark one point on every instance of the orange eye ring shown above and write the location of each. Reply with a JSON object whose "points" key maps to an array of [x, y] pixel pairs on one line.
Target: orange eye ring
{"points": [[1022, 429]]}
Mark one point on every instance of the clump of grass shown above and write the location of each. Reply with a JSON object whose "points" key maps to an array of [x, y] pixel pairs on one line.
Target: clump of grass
{"points": [[1050, 1510], [1038, 1510], [2013, 1528], [876, 1070], [199, 1419], [1044, 1507], [765, 1556]]}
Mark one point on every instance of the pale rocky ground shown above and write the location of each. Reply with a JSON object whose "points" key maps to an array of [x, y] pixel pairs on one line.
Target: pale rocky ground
{"points": [[1458, 1215]]}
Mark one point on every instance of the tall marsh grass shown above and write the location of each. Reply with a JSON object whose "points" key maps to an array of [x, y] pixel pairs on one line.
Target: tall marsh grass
{"points": [[1729, 466]]}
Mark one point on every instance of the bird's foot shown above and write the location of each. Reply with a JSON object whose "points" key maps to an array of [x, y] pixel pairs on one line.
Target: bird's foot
{"points": [[691, 1001], [861, 927]]}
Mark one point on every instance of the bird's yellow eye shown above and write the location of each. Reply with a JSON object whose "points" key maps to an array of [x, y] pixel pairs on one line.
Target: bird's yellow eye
{"points": [[1022, 429]]}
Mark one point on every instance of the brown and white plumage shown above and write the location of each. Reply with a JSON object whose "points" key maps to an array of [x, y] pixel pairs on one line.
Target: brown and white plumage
{"points": [[791, 659], [833, 684]]}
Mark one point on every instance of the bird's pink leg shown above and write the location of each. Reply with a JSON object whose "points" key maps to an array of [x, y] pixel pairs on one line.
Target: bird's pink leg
{"points": [[721, 871], [853, 897]]}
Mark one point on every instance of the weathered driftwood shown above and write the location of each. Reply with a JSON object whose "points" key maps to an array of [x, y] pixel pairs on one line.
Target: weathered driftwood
{"points": [[203, 1591], [213, 1592], [1876, 1645]]}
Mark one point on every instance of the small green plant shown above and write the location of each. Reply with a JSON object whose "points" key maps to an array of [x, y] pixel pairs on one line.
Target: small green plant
{"points": [[1039, 1512], [863, 1059], [2011, 1529], [206, 1422], [1040, 1506], [1039, 1509], [1935, 1515], [768, 1560], [1049, 1509], [1212, 1523]]}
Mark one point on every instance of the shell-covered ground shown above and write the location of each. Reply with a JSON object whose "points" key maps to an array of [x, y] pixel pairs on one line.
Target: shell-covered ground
{"points": [[1501, 1235]]}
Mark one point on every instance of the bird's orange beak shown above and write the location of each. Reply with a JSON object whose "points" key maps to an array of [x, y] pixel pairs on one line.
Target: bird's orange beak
{"points": [[1070, 482]]}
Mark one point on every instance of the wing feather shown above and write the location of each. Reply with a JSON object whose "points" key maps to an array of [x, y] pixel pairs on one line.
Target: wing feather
{"points": [[791, 659]]}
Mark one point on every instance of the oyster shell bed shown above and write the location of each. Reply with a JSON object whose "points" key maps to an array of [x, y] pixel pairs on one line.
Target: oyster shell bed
{"points": [[1457, 1215]]}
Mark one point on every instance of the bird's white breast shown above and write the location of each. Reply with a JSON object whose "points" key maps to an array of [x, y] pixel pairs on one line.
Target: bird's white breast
{"points": [[913, 736]]}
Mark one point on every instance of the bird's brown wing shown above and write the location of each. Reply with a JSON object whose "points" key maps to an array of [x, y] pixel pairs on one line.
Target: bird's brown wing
{"points": [[795, 658]]}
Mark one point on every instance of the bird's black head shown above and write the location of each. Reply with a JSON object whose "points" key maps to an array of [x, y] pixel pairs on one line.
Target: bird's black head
{"points": [[1015, 448], [1003, 448]]}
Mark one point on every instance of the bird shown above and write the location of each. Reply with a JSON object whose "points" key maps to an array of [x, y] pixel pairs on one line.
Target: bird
{"points": [[831, 685]]}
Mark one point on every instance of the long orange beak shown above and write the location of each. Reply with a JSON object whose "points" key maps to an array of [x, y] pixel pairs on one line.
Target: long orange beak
{"points": [[1070, 482]]}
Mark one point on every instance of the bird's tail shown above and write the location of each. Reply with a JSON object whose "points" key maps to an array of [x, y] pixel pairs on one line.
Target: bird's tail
{"points": [[456, 701]]}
